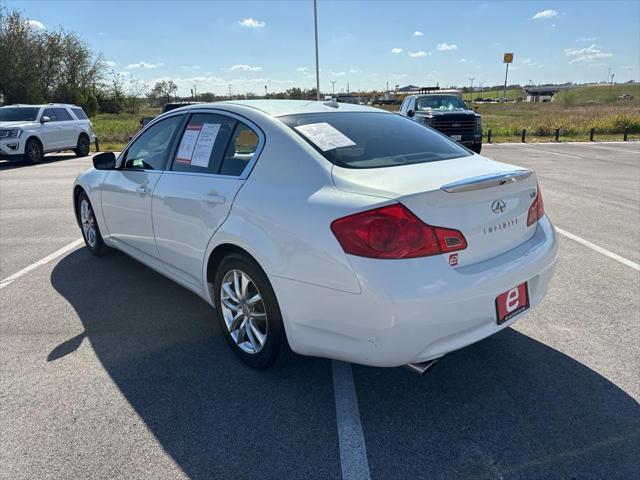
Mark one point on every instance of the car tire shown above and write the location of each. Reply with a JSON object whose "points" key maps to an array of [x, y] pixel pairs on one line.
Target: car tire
{"points": [[33, 152], [477, 147], [244, 320], [83, 146], [89, 226]]}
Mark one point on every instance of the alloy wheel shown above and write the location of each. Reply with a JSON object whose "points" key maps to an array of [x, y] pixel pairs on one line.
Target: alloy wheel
{"points": [[88, 223], [243, 311]]}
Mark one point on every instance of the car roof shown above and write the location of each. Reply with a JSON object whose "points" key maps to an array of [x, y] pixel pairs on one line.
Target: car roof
{"points": [[280, 108], [26, 105]]}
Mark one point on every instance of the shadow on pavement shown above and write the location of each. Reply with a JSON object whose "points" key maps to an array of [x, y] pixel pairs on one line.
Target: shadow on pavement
{"points": [[12, 164], [508, 407], [213, 416]]}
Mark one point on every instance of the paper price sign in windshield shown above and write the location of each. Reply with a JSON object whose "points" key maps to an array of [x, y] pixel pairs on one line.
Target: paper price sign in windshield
{"points": [[324, 136], [197, 143]]}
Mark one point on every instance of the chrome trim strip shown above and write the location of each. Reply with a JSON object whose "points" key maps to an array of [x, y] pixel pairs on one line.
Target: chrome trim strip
{"points": [[486, 181]]}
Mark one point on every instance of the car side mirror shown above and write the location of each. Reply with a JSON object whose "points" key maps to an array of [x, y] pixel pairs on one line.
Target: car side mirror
{"points": [[45, 119], [104, 161], [410, 113]]}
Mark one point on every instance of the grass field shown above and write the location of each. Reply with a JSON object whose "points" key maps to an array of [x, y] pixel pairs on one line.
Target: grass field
{"points": [[574, 112]]}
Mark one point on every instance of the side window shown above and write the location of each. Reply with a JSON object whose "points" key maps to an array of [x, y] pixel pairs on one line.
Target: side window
{"points": [[203, 143], [61, 114], [79, 113], [48, 112], [151, 150], [240, 151]]}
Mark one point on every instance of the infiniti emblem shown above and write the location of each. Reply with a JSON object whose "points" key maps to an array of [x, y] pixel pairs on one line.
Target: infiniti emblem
{"points": [[498, 206]]}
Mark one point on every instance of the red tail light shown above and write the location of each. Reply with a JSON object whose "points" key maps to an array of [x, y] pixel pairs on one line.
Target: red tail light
{"points": [[536, 210], [394, 232]]}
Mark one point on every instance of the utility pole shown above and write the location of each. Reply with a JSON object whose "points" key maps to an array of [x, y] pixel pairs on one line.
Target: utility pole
{"points": [[611, 84], [333, 87], [472, 79], [265, 91], [315, 26], [230, 92], [347, 88]]}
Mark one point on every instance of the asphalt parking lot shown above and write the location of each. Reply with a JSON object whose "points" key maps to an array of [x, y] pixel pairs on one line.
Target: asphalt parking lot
{"points": [[109, 370]]}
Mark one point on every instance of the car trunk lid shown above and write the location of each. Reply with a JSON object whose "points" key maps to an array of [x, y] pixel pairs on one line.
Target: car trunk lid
{"points": [[487, 201]]}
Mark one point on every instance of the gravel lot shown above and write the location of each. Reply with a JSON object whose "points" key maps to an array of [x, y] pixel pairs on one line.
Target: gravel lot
{"points": [[109, 370]]}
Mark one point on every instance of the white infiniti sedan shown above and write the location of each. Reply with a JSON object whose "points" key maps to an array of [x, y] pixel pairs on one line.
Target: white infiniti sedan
{"points": [[334, 230]]}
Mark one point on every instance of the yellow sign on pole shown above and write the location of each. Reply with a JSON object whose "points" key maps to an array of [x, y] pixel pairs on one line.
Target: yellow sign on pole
{"points": [[508, 58]]}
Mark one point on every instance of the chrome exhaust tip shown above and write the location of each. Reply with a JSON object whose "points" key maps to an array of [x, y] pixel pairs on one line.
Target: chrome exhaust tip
{"points": [[422, 367]]}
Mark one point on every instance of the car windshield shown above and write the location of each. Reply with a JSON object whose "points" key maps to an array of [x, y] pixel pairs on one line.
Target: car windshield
{"points": [[19, 114], [440, 103], [372, 140]]}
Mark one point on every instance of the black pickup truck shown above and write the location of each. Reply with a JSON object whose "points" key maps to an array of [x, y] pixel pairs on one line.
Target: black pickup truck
{"points": [[448, 114]]}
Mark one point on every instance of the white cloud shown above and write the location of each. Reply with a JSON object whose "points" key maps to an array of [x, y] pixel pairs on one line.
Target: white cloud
{"points": [[627, 67], [144, 65], [251, 23], [463, 60], [417, 34], [545, 14], [417, 54], [586, 54], [396, 50], [246, 68], [338, 74], [447, 46], [353, 70], [302, 69], [108, 63], [190, 67], [586, 39], [36, 24], [532, 64]]}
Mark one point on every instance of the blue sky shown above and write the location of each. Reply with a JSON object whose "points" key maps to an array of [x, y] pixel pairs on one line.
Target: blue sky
{"points": [[252, 44]]}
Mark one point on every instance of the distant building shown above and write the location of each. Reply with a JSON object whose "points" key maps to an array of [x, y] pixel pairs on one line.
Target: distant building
{"points": [[541, 94]]}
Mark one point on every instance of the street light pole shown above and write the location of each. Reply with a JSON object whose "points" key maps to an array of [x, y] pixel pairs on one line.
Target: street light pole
{"points": [[472, 79], [315, 26], [333, 87]]}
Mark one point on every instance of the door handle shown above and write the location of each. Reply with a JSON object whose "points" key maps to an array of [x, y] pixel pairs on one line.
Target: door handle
{"points": [[213, 197], [142, 189]]}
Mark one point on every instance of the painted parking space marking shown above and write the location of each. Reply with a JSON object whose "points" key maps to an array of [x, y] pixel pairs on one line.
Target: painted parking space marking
{"points": [[353, 451], [12, 278], [599, 249]]}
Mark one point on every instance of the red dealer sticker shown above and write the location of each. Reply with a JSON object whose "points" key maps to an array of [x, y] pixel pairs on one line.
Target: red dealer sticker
{"points": [[509, 304]]}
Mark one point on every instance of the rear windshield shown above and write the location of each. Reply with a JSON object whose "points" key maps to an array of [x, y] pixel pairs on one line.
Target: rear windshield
{"points": [[19, 114], [372, 140], [80, 115]]}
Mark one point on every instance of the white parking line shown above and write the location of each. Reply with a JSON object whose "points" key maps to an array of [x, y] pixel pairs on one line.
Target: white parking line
{"points": [[625, 150], [11, 278], [554, 153], [599, 249], [353, 452]]}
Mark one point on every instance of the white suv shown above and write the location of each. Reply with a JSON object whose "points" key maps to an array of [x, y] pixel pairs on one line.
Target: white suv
{"points": [[27, 132]]}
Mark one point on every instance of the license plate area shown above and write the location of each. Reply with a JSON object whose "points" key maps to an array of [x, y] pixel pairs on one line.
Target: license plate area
{"points": [[512, 302], [457, 138]]}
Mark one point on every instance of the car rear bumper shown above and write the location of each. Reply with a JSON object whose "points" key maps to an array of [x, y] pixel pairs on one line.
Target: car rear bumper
{"points": [[413, 310]]}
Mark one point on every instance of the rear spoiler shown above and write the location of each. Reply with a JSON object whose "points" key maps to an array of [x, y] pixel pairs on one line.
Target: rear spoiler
{"points": [[486, 181]]}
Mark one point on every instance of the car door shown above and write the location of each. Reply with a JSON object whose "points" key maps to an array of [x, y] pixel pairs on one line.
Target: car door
{"points": [[67, 129], [126, 191], [50, 134], [193, 198]]}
